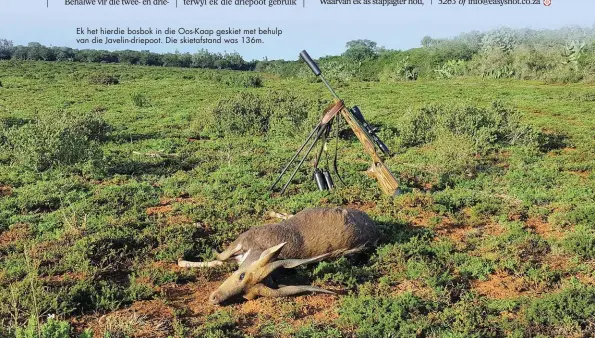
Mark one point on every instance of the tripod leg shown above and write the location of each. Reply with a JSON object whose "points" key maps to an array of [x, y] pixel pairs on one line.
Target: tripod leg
{"points": [[319, 155], [294, 156], [303, 159], [336, 170]]}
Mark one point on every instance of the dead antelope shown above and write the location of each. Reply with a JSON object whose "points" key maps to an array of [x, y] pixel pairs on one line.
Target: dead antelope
{"points": [[310, 236]]}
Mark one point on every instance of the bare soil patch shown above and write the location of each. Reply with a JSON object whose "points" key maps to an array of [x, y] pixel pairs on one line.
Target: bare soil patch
{"points": [[543, 228], [501, 286], [146, 319], [17, 232], [5, 190]]}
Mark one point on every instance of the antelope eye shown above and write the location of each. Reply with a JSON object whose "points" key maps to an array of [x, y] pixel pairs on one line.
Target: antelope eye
{"points": [[242, 275]]}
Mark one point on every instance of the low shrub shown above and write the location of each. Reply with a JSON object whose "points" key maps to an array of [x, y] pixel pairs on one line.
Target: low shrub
{"points": [[581, 242], [236, 79], [402, 70], [140, 100], [57, 138], [275, 113], [384, 317], [103, 79], [566, 313], [52, 328], [487, 128]]}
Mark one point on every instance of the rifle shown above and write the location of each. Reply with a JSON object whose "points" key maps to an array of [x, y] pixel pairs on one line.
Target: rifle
{"points": [[363, 131]]}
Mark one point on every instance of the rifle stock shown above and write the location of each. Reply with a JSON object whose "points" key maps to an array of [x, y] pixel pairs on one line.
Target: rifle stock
{"points": [[378, 170]]}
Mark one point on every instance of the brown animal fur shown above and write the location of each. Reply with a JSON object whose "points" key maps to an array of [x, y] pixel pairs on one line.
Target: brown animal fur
{"points": [[310, 233]]}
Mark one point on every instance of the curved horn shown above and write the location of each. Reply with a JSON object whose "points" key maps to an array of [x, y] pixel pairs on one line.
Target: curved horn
{"points": [[264, 291], [288, 264]]}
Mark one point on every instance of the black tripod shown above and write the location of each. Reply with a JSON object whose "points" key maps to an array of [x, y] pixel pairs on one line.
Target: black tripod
{"points": [[323, 178]]}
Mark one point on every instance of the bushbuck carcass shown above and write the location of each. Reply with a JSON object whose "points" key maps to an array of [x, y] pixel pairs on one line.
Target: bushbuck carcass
{"points": [[309, 236]]}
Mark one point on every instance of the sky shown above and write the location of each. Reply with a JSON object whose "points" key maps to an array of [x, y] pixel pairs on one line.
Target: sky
{"points": [[320, 29]]}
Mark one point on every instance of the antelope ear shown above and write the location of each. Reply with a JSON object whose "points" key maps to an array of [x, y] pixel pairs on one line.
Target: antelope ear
{"points": [[243, 257], [269, 255]]}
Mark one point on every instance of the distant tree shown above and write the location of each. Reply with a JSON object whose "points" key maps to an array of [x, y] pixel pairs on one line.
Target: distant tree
{"points": [[185, 60], [360, 50], [150, 59], [130, 57], [35, 51], [20, 53], [64, 54], [171, 59], [203, 59], [426, 41], [234, 61], [6, 49]]}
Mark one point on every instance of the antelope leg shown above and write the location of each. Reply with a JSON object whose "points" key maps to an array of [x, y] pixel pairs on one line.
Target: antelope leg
{"points": [[187, 264]]}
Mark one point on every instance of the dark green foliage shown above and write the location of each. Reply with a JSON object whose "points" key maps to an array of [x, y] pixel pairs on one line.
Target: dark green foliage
{"points": [[47, 195], [469, 317], [572, 309], [57, 138], [486, 127], [237, 79], [581, 241], [384, 316], [220, 324], [130, 197], [140, 100], [278, 113], [317, 331], [103, 79], [342, 272]]}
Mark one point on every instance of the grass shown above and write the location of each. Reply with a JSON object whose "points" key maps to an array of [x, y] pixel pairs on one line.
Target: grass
{"points": [[168, 164]]}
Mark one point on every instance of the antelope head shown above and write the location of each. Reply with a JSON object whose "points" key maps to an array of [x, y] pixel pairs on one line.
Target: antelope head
{"points": [[248, 280]]}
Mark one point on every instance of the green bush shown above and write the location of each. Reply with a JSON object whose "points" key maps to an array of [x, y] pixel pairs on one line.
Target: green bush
{"points": [[57, 138], [566, 312], [401, 70], [140, 100], [384, 317], [219, 325], [581, 242], [237, 79], [439, 163], [104, 79], [274, 113], [495, 63], [317, 331], [51, 329], [487, 128], [451, 69], [342, 272]]}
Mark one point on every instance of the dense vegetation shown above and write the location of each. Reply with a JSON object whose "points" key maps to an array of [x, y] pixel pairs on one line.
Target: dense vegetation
{"points": [[110, 173], [558, 55]]}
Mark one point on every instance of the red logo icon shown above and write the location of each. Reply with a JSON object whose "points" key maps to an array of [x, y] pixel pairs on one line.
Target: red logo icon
{"points": [[547, 2]]}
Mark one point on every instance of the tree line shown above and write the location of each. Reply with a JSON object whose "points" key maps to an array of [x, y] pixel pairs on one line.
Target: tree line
{"points": [[557, 55], [35, 51]]}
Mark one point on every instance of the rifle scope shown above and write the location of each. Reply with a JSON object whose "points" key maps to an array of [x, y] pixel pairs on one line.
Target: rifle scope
{"points": [[354, 111]]}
